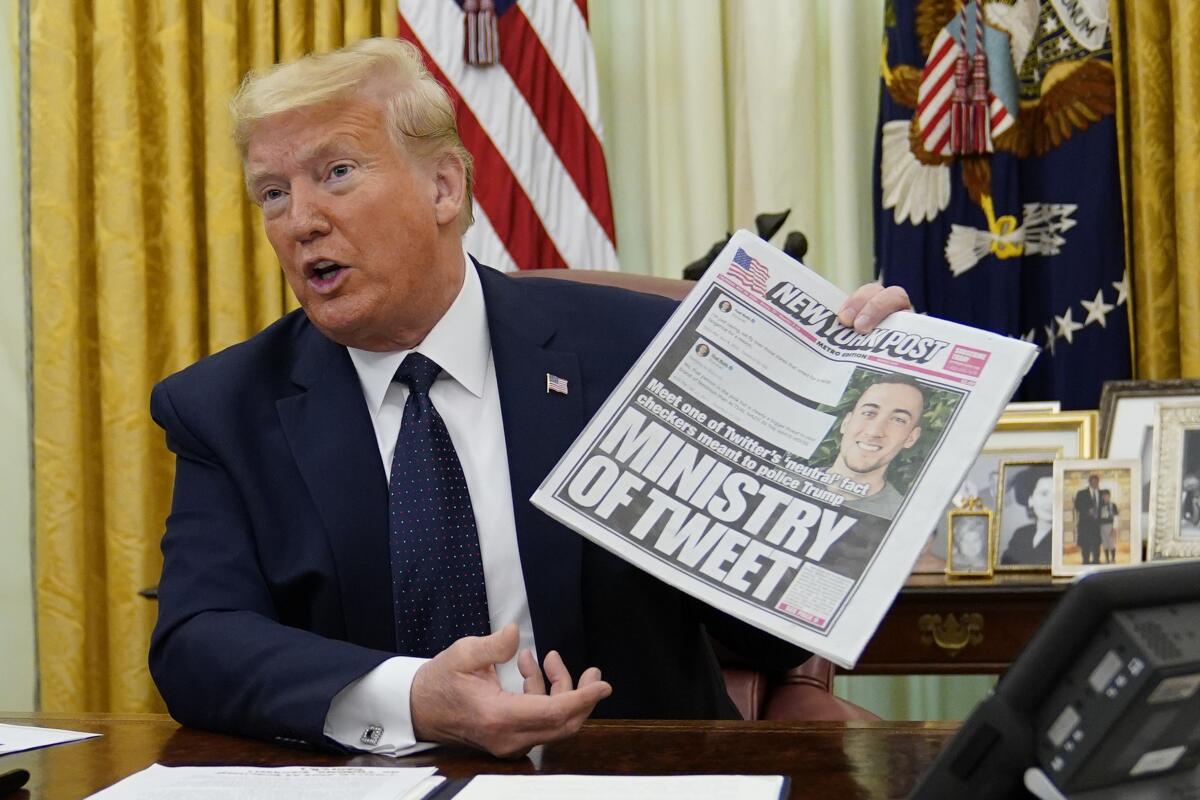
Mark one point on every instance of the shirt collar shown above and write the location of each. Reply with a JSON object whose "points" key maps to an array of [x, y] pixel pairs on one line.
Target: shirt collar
{"points": [[459, 343]]}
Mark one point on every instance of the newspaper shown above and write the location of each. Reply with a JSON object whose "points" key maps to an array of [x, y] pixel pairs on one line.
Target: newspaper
{"points": [[777, 465]]}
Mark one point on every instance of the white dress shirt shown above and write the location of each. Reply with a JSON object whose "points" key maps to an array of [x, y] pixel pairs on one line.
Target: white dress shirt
{"points": [[466, 397]]}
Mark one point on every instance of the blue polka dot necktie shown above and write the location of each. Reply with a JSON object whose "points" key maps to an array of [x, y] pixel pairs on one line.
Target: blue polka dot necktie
{"points": [[438, 591]]}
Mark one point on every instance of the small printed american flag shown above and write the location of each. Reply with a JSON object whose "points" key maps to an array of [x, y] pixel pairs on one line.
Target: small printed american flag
{"points": [[750, 274], [555, 384]]}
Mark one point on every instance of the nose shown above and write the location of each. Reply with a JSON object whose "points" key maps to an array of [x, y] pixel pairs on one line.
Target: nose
{"points": [[308, 219], [876, 426]]}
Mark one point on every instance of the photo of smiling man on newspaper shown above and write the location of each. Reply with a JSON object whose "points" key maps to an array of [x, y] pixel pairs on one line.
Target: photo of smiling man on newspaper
{"points": [[776, 464], [884, 422], [889, 425]]}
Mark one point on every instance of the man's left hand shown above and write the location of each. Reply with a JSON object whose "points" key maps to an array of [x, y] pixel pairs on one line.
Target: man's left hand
{"points": [[869, 304]]}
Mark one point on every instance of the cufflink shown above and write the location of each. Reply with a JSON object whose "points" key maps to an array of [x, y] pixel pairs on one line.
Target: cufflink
{"points": [[372, 735]]}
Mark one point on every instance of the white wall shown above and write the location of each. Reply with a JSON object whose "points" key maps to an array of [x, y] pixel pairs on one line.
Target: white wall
{"points": [[17, 681]]}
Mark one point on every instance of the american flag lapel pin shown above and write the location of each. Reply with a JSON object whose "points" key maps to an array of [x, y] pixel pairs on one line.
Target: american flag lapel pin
{"points": [[555, 384]]}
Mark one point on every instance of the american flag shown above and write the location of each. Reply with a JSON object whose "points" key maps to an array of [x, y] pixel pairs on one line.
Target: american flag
{"points": [[750, 274], [555, 384], [532, 122], [936, 92]]}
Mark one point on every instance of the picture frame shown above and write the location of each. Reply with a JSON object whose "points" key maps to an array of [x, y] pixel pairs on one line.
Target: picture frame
{"points": [[1127, 411], [1175, 509], [971, 539], [1034, 407], [1086, 535], [1126, 406], [1024, 523], [1018, 435], [1072, 432]]}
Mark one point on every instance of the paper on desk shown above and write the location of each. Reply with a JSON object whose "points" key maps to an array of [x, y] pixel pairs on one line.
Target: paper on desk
{"points": [[274, 783], [15, 738], [623, 787]]}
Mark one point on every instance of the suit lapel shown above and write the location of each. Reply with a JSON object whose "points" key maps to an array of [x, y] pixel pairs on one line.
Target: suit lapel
{"points": [[329, 430], [539, 426]]}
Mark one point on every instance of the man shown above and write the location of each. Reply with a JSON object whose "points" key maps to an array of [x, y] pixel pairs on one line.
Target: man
{"points": [[1191, 500], [1087, 520], [351, 560], [885, 420]]}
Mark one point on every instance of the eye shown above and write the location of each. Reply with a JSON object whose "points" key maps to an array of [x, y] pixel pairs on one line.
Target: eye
{"points": [[270, 194], [340, 170]]}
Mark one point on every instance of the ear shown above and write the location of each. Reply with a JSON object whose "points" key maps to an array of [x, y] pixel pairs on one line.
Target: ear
{"points": [[913, 435], [450, 182]]}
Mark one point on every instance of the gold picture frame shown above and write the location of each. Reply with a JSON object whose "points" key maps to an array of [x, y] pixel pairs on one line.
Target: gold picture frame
{"points": [[1018, 435], [1018, 519], [967, 556], [1074, 431]]}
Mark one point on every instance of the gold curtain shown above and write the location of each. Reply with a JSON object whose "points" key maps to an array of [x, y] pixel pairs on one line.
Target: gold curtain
{"points": [[1157, 54], [146, 256]]}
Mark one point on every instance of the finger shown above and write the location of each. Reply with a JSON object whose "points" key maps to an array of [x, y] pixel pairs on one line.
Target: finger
{"points": [[590, 675], [855, 302], [557, 673], [527, 664], [513, 723], [546, 717], [495, 648], [884, 303]]}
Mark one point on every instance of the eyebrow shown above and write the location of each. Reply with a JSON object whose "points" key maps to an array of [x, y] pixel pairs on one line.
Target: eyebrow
{"points": [[318, 151], [876, 406], [256, 177]]}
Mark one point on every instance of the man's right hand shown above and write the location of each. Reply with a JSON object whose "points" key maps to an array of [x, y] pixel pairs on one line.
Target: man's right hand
{"points": [[456, 697]]}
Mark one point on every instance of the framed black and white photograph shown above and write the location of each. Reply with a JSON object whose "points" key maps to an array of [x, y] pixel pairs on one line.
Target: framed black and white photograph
{"points": [[1175, 509], [970, 537], [1093, 525], [1024, 435], [1025, 520], [1127, 410]]}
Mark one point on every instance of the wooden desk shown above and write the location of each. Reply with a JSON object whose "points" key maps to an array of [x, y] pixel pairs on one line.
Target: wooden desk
{"points": [[849, 761], [947, 626]]}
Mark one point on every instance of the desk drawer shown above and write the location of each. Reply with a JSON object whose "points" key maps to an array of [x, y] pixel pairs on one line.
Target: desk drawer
{"points": [[955, 633]]}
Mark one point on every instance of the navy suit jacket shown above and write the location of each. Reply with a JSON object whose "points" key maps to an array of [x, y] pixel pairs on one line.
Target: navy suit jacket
{"points": [[276, 589]]}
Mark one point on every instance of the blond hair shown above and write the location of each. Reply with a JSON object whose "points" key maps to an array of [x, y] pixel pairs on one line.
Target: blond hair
{"points": [[419, 111]]}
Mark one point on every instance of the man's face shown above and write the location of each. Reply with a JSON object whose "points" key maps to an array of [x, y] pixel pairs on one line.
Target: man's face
{"points": [[883, 422], [361, 229], [1094, 481]]}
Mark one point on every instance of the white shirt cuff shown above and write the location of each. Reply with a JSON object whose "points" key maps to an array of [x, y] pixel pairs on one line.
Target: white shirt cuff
{"points": [[372, 713]]}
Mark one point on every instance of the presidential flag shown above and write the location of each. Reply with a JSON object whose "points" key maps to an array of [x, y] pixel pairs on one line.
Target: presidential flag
{"points": [[997, 195], [523, 77]]}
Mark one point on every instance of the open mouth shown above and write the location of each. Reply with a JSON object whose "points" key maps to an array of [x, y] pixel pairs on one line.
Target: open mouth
{"points": [[870, 448], [324, 272]]}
